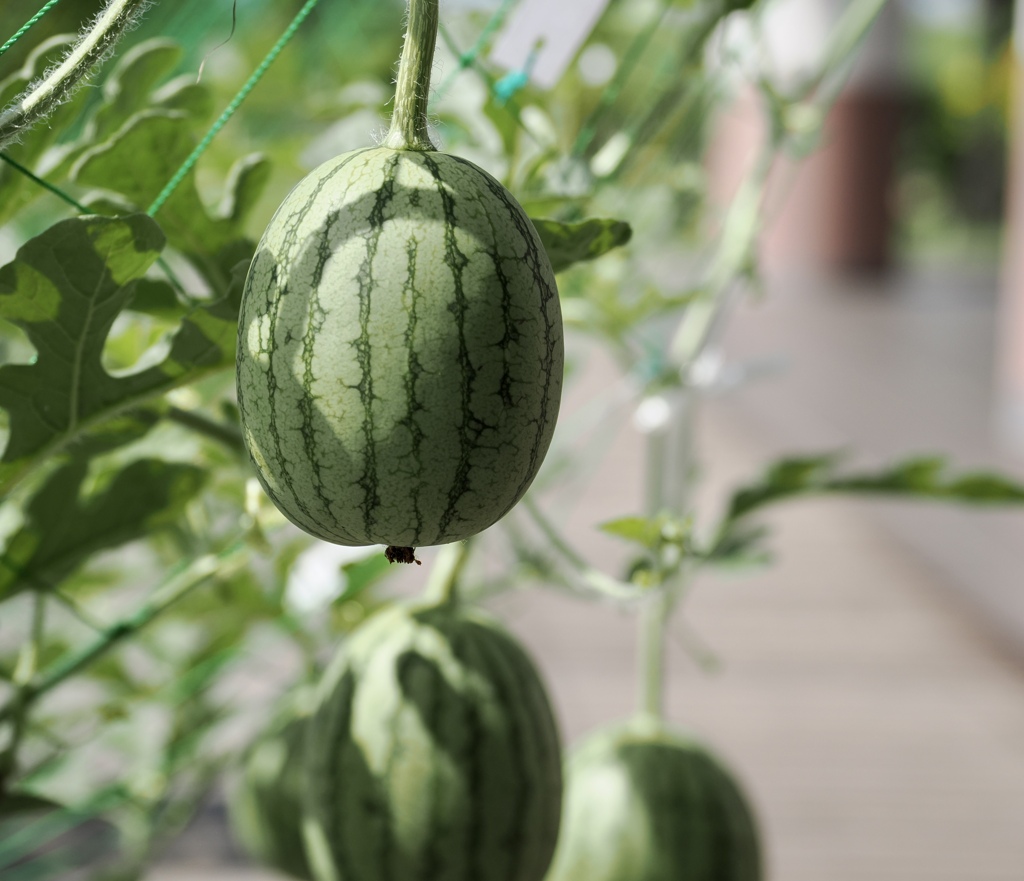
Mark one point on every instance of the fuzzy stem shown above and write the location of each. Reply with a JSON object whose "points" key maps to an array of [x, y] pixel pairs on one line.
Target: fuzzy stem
{"points": [[443, 585], [43, 96], [412, 92]]}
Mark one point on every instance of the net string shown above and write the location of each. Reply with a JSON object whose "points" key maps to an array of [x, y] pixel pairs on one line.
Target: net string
{"points": [[27, 26], [229, 111]]}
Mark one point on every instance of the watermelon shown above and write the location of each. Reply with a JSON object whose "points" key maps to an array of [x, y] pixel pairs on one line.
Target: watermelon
{"points": [[433, 754], [400, 339], [644, 803], [265, 803]]}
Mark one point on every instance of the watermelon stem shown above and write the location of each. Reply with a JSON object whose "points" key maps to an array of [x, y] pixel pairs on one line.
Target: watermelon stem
{"points": [[653, 620], [443, 585], [409, 127]]}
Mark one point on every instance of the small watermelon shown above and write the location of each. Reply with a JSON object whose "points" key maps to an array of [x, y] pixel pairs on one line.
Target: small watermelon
{"points": [[433, 754], [400, 339], [265, 803], [646, 804]]}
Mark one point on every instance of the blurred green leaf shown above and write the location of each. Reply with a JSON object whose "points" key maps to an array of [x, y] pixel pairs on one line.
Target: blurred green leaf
{"points": [[741, 546], [15, 803], [921, 477], [641, 530], [65, 289], [783, 479], [127, 88], [650, 532], [48, 841], [571, 243], [362, 575], [62, 529]]}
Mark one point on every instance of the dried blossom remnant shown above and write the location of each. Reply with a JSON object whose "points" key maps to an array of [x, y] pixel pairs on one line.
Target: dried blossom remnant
{"points": [[401, 555]]}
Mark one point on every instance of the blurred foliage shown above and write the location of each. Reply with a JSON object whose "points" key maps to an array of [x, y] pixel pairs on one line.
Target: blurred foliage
{"points": [[953, 157]]}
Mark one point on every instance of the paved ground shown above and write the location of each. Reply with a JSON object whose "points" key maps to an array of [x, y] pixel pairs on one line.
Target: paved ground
{"points": [[875, 719]]}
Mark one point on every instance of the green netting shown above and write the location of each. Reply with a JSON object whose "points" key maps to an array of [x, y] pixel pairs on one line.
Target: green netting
{"points": [[229, 111], [27, 25]]}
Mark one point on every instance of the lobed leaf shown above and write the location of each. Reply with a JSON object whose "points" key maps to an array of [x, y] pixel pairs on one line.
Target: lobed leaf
{"points": [[127, 89], [63, 528], [139, 160], [65, 289]]}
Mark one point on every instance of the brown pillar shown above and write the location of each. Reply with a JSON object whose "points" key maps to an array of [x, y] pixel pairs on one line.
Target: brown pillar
{"points": [[833, 210]]}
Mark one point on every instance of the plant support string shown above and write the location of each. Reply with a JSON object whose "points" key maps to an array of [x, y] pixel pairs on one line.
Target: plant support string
{"points": [[229, 111]]}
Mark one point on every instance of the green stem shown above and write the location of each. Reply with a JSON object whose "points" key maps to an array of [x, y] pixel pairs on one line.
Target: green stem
{"points": [[611, 92], [409, 129], [653, 619], [43, 96], [218, 431], [443, 585], [175, 588], [594, 579], [24, 672], [28, 659], [669, 485]]}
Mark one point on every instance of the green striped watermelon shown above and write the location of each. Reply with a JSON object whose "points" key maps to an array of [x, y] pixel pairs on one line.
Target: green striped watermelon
{"points": [[646, 804], [265, 803], [433, 755], [400, 350]]}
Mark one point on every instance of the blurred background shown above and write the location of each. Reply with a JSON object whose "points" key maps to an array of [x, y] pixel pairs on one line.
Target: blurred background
{"points": [[868, 685]]}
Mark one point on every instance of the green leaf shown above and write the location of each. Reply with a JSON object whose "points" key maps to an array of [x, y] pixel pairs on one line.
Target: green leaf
{"points": [[741, 546], [571, 243], [127, 89], [650, 532], [139, 160], [49, 842], [361, 575], [186, 95], [14, 803], [62, 528], [921, 477], [65, 289], [641, 530]]}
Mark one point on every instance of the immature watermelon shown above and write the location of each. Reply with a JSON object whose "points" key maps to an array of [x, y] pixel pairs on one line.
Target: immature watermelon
{"points": [[265, 804], [646, 804], [400, 350], [433, 755]]}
